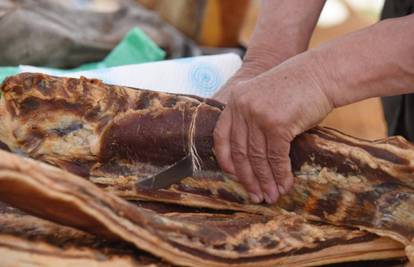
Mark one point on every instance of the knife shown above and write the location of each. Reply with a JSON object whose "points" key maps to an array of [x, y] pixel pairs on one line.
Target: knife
{"points": [[170, 175]]}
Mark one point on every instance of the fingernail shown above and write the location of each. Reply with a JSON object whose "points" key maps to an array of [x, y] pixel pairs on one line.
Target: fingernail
{"points": [[254, 198], [267, 198]]}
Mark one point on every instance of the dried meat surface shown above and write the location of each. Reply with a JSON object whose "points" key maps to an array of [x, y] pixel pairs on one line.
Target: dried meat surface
{"points": [[182, 238], [30, 241], [115, 136]]}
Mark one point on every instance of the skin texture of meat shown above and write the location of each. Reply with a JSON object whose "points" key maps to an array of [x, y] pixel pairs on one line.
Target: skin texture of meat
{"points": [[190, 239], [85, 122], [115, 136], [29, 241]]}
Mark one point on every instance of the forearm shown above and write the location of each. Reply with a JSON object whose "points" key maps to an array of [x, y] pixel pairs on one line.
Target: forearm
{"points": [[283, 30], [376, 61]]}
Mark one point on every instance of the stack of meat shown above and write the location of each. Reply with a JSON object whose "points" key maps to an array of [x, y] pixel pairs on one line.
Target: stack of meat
{"points": [[74, 149]]}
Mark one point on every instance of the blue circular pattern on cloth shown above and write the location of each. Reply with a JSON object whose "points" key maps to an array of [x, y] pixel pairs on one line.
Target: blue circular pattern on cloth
{"points": [[205, 79]]}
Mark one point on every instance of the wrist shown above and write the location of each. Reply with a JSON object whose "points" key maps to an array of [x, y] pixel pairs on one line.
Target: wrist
{"points": [[316, 66], [283, 30], [260, 57]]}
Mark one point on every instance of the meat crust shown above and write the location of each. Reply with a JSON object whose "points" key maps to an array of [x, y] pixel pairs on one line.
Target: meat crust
{"points": [[114, 136]]}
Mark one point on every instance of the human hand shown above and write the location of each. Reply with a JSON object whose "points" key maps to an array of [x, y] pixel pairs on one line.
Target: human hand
{"points": [[263, 115], [254, 64], [244, 74]]}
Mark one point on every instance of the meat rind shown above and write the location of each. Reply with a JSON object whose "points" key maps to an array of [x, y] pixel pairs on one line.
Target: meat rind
{"points": [[96, 131], [84, 125], [29, 241], [117, 135], [349, 181], [238, 239]]}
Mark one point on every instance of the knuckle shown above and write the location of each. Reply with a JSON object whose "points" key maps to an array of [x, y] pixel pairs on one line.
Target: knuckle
{"points": [[263, 115], [277, 158], [239, 155], [257, 111], [265, 180], [242, 101], [238, 152], [257, 158], [260, 171], [275, 154], [271, 121], [256, 144], [277, 123]]}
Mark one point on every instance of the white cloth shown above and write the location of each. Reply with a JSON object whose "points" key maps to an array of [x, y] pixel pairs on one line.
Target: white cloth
{"points": [[201, 76]]}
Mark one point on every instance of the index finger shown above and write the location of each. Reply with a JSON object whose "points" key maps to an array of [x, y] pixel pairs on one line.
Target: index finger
{"points": [[222, 146]]}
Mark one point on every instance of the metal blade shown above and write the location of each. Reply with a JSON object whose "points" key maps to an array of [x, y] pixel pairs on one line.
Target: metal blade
{"points": [[171, 175]]}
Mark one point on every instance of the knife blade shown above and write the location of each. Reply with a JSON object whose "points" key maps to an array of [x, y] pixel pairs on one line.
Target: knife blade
{"points": [[170, 175]]}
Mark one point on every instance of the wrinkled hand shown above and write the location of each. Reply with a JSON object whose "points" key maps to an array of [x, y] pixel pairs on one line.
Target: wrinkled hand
{"points": [[246, 72], [263, 115]]}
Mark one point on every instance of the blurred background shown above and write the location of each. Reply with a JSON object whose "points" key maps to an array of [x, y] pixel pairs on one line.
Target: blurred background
{"points": [[94, 34]]}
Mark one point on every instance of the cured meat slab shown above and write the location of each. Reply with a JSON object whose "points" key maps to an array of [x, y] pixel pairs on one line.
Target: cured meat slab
{"points": [[189, 239], [114, 136], [29, 241]]}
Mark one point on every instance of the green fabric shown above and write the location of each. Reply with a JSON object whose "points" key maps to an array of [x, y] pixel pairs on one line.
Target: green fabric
{"points": [[7, 71], [136, 47]]}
